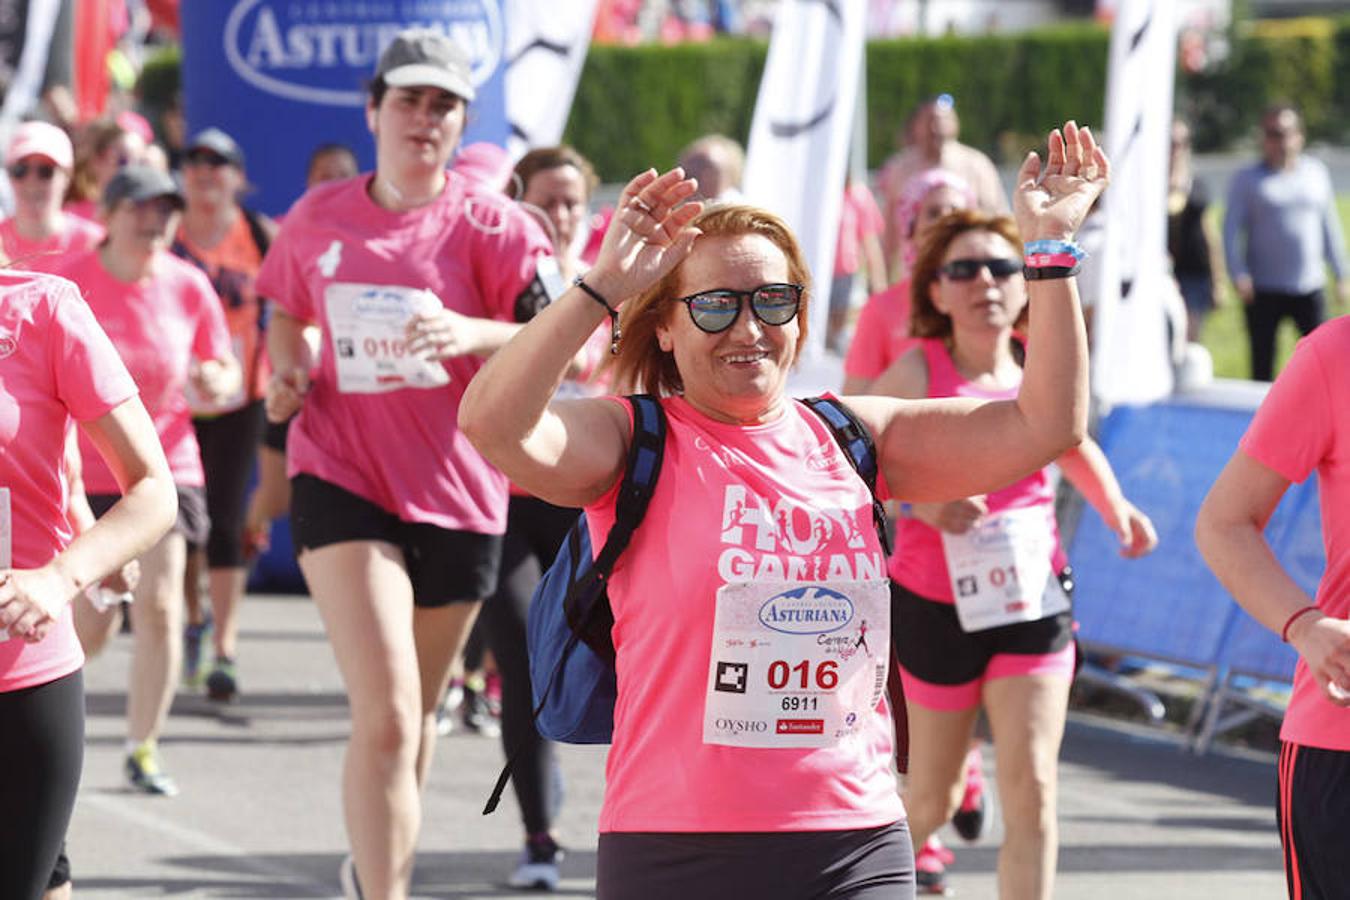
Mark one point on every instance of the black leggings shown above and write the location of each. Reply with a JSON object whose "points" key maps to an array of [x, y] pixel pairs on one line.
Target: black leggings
{"points": [[42, 752], [229, 445], [534, 531]]}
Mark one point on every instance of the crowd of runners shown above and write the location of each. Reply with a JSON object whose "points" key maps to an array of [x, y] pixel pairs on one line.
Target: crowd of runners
{"points": [[428, 365]]}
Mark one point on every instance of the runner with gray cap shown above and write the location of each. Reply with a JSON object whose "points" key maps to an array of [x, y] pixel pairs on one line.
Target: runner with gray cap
{"points": [[225, 240], [410, 276], [165, 320]]}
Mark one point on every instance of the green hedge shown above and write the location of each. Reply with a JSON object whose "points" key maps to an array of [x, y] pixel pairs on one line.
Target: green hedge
{"points": [[637, 106]]}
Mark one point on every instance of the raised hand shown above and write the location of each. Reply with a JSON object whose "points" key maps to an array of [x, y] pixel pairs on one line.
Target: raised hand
{"points": [[648, 236], [1051, 202]]}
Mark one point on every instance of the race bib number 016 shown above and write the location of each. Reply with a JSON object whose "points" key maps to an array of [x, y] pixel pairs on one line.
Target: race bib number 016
{"points": [[366, 323], [796, 665], [1001, 570]]}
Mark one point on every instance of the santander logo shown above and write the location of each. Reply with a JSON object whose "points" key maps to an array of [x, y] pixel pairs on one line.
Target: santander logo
{"points": [[304, 52]]}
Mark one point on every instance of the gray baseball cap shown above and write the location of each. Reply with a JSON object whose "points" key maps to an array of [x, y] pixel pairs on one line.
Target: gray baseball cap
{"points": [[219, 143], [421, 57], [141, 182]]}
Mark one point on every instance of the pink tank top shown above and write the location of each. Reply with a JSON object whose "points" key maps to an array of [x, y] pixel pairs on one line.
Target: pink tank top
{"points": [[918, 563]]}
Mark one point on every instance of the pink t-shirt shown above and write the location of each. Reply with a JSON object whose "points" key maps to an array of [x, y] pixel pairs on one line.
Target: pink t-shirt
{"points": [[1303, 426], [403, 450], [85, 209], [75, 236], [919, 562], [882, 333], [55, 364], [159, 325], [859, 217], [660, 775]]}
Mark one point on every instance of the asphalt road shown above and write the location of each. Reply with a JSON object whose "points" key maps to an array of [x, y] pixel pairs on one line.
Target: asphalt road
{"points": [[259, 814]]}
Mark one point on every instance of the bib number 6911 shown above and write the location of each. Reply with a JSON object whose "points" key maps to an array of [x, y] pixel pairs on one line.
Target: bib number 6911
{"points": [[781, 673]]}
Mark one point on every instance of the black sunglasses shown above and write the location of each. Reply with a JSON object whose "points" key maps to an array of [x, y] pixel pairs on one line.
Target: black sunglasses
{"points": [[206, 158], [967, 269], [717, 310], [19, 171]]}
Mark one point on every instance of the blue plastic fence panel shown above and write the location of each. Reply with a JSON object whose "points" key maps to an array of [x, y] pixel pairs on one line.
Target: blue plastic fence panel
{"points": [[276, 571], [1167, 604], [1295, 534]]}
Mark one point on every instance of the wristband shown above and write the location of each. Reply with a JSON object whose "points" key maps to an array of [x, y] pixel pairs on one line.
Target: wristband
{"points": [[614, 332], [1284, 632], [1055, 248], [1047, 273], [1044, 260]]}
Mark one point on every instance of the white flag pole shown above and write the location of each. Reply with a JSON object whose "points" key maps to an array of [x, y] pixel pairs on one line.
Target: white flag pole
{"points": [[1131, 361], [546, 45], [799, 139]]}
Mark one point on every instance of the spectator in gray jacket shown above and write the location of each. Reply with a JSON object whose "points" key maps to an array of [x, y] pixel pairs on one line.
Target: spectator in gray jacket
{"points": [[1280, 227]]}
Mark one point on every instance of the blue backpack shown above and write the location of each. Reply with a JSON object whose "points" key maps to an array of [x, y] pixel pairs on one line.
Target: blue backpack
{"points": [[568, 631]]}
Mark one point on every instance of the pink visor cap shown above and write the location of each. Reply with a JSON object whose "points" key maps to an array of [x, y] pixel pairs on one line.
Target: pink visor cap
{"points": [[40, 139]]}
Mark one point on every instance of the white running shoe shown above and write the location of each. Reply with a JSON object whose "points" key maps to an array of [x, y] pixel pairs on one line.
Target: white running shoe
{"points": [[351, 889], [538, 869]]}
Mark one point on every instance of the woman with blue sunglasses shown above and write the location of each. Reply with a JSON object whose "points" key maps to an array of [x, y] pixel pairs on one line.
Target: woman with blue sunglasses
{"points": [[752, 744], [981, 615]]}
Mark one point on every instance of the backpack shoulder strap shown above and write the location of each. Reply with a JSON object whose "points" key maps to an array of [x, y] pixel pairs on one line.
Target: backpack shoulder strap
{"points": [[853, 437], [645, 454], [257, 231]]}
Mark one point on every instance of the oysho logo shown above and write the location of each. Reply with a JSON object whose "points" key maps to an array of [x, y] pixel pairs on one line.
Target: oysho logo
{"points": [[810, 609], [741, 726], [300, 49]]}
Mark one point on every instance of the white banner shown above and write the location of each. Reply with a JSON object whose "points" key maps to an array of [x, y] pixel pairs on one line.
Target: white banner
{"points": [[546, 44], [803, 123], [1131, 361]]}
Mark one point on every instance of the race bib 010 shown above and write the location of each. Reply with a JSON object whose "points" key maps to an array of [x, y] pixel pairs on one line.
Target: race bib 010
{"points": [[1001, 570], [367, 324]]}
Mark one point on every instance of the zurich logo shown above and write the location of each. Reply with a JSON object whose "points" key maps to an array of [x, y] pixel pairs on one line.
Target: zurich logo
{"points": [[301, 52], [810, 609]]}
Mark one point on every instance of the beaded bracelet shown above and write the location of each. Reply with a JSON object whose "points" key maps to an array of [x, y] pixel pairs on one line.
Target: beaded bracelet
{"points": [[1045, 259], [614, 332], [1284, 632], [1054, 247]]}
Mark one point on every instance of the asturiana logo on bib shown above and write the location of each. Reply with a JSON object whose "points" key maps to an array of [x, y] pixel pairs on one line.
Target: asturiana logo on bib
{"points": [[324, 52], [810, 609]]}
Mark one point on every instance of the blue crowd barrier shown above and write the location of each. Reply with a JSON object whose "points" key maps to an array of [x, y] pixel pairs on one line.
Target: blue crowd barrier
{"points": [[275, 571], [1168, 605]]}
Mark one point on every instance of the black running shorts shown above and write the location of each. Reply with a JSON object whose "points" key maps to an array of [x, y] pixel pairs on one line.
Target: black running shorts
{"points": [[192, 523], [931, 645], [444, 566]]}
